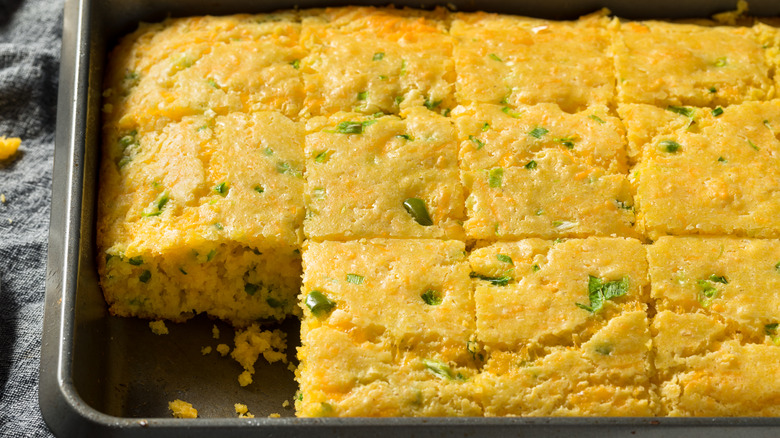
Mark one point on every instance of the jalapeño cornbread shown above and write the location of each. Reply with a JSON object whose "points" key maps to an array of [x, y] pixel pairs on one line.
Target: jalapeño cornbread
{"points": [[388, 329], [537, 171], [716, 337], [382, 176], [564, 326], [476, 198], [203, 215], [706, 171]]}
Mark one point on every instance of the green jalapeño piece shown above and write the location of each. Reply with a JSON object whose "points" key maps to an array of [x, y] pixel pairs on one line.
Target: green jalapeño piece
{"points": [[416, 208], [318, 303]]}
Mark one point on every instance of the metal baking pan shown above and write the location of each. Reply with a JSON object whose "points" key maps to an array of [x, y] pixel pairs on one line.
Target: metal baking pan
{"points": [[107, 376]]}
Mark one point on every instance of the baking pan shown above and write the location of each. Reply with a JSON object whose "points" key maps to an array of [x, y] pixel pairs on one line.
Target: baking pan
{"points": [[107, 376]]}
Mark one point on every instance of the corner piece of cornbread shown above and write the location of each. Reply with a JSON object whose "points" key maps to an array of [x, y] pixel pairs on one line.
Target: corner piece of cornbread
{"points": [[664, 64], [203, 215], [704, 171], [190, 66], [565, 327], [370, 60], [387, 330], [537, 171], [361, 170], [524, 61], [716, 339]]}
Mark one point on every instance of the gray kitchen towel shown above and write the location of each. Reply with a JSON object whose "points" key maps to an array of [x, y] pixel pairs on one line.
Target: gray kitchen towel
{"points": [[30, 32]]}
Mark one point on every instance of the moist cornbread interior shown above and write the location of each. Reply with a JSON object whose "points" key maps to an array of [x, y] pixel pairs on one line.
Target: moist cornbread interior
{"points": [[474, 214]]}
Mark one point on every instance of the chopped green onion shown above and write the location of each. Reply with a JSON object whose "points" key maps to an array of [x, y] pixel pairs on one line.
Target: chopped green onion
{"points": [[378, 56], [495, 176], [439, 368], [777, 267], [354, 279], [218, 226], [403, 68], [431, 104], [681, 110], [145, 276], [221, 188], [535, 268], [538, 132], [273, 302], [670, 146], [495, 57], [566, 141], [480, 144], [485, 126], [416, 208], [321, 157], [398, 100], [707, 294], [721, 62], [531, 165], [259, 189], [284, 167], [599, 292], [718, 279], [250, 288], [211, 255], [752, 145], [318, 303], [406, 137], [296, 64], [431, 297], [363, 95], [183, 271], [713, 90], [505, 259], [353, 127], [508, 111], [498, 281], [597, 118], [771, 329], [722, 160], [136, 261], [213, 83], [717, 111], [766, 123]]}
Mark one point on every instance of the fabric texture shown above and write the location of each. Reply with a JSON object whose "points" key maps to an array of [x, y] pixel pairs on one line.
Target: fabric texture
{"points": [[30, 34]]}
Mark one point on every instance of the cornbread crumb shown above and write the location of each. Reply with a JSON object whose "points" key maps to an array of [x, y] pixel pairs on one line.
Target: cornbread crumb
{"points": [[243, 411], [286, 403], [182, 409], [8, 146], [215, 332], [223, 349], [274, 415], [2, 198], [253, 342], [205, 350], [158, 327]]}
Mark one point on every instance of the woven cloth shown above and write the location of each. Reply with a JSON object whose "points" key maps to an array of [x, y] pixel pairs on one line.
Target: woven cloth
{"points": [[30, 33]]}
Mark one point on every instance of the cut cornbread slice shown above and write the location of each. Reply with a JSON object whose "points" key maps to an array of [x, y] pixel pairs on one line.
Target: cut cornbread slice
{"points": [[554, 195], [703, 171], [524, 61], [707, 368], [683, 64], [608, 375], [202, 216], [361, 171], [343, 376], [503, 136], [534, 293], [415, 293], [735, 279], [188, 66], [372, 60]]}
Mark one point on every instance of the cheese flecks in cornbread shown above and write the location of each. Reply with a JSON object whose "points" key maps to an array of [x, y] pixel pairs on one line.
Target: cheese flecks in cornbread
{"points": [[565, 327], [202, 216], [537, 171], [388, 329], [704, 171], [189, 66], [683, 64], [503, 59], [372, 60], [382, 177]]}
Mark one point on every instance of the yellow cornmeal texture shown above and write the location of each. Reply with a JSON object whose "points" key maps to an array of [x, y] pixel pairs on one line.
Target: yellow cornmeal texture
{"points": [[537, 171], [190, 66], [547, 354], [524, 61], [9, 146], [683, 64], [716, 338], [360, 170], [254, 342], [709, 173], [388, 329], [202, 216], [182, 409], [372, 60]]}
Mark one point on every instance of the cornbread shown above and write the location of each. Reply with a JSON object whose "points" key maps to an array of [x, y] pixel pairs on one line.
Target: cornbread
{"points": [[502, 59], [716, 337], [182, 409], [702, 171], [388, 329], [473, 214], [362, 170], [9, 146]]}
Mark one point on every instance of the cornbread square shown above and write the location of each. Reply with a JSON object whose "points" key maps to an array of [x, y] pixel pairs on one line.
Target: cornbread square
{"points": [[553, 196], [664, 64], [190, 66], [203, 215], [709, 368], [343, 376], [608, 375], [530, 294], [361, 170], [735, 279], [525, 61], [370, 60], [502, 136], [414, 292], [708, 172]]}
